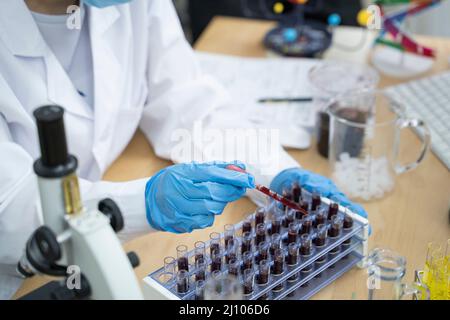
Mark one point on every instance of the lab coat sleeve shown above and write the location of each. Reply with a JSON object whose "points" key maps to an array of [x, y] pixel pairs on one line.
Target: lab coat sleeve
{"points": [[20, 208], [185, 106]]}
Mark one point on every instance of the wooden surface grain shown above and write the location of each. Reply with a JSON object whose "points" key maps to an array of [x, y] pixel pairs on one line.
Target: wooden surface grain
{"points": [[415, 213]]}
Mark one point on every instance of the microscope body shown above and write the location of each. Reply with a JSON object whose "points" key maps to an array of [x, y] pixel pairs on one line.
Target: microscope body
{"points": [[74, 238]]}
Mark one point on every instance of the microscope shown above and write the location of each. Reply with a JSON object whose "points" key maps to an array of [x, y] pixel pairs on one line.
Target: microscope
{"points": [[76, 244]]}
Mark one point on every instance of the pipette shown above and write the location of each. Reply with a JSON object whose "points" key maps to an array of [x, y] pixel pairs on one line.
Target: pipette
{"points": [[271, 193]]}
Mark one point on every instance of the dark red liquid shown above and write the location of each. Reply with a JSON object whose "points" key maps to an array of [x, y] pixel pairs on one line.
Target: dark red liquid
{"points": [[305, 250], [183, 264], [315, 202], [216, 264], [348, 222], [332, 210], [276, 227], [292, 259], [200, 275], [246, 227], [320, 219], [260, 237], [333, 232], [292, 237], [233, 270], [247, 264], [289, 219], [278, 266], [248, 288], [227, 240], [182, 286], [214, 249], [263, 278], [246, 246], [262, 255], [259, 217], [199, 257], [306, 227], [296, 192], [319, 241], [230, 256]]}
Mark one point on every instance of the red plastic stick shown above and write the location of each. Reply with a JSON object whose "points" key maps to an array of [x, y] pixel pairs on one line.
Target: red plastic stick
{"points": [[272, 194]]}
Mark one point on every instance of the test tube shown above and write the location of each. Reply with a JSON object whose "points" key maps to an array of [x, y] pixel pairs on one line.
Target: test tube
{"points": [[333, 210], [228, 231], [200, 290], [260, 233], [169, 269], [278, 267], [199, 248], [304, 205], [248, 281], [247, 260], [216, 262], [306, 225], [233, 267], [292, 259], [315, 200], [289, 218], [335, 227], [288, 195], [247, 225], [246, 242], [182, 281], [214, 246], [232, 250], [260, 216], [264, 270], [276, 224], [182, 257], [305, 245], [348, 225], [200, 270], [319, 242], [263, 276], [292, 232], [321, 217], [275, 243], [334, 232], [305, 251], [296, 192], [263, 251]]}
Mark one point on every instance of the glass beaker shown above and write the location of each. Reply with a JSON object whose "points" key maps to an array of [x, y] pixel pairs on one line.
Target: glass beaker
{"points": [[365, 129], [386, 270], [330, 79]]}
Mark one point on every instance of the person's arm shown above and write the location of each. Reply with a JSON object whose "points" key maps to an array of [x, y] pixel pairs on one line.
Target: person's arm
{"points": [[182, 98], [20, 208]]}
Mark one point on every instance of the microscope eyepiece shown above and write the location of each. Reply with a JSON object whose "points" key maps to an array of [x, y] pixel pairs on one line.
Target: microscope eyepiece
{"points": [[55, 160], [52, 136]]}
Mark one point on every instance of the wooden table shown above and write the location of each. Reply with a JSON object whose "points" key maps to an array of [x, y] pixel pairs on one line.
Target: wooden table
{"points": [[415, 213]]}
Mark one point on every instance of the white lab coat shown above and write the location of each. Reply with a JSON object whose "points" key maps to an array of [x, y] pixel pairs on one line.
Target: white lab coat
{"points": [[145, 75]]}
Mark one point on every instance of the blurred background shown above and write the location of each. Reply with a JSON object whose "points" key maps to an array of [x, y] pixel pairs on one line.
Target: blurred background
{"points": [[196, 14]]}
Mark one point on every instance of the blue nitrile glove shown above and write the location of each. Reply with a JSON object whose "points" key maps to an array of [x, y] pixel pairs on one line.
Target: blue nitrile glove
{"points": [[185, 197], [314, 182]]}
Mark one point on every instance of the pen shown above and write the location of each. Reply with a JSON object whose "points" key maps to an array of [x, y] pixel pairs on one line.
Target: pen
{"points": [[280, 100]]}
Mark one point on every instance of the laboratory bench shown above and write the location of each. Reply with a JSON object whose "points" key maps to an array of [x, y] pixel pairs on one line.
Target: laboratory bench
{"points": [[406, 220]]}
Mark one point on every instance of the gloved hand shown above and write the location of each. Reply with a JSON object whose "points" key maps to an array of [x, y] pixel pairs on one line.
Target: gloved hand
{"points": [[314, 182], [185, 197]]}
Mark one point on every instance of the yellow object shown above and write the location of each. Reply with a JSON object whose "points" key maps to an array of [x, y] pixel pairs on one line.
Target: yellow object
{"points": [[437, 272], [363, 17], [278, 8]]}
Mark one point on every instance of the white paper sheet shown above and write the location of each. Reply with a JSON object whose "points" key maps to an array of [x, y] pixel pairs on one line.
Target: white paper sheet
{"points": [[250, 79]]}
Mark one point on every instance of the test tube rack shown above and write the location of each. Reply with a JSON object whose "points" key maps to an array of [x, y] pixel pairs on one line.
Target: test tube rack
{"points": [[340, 254]]}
